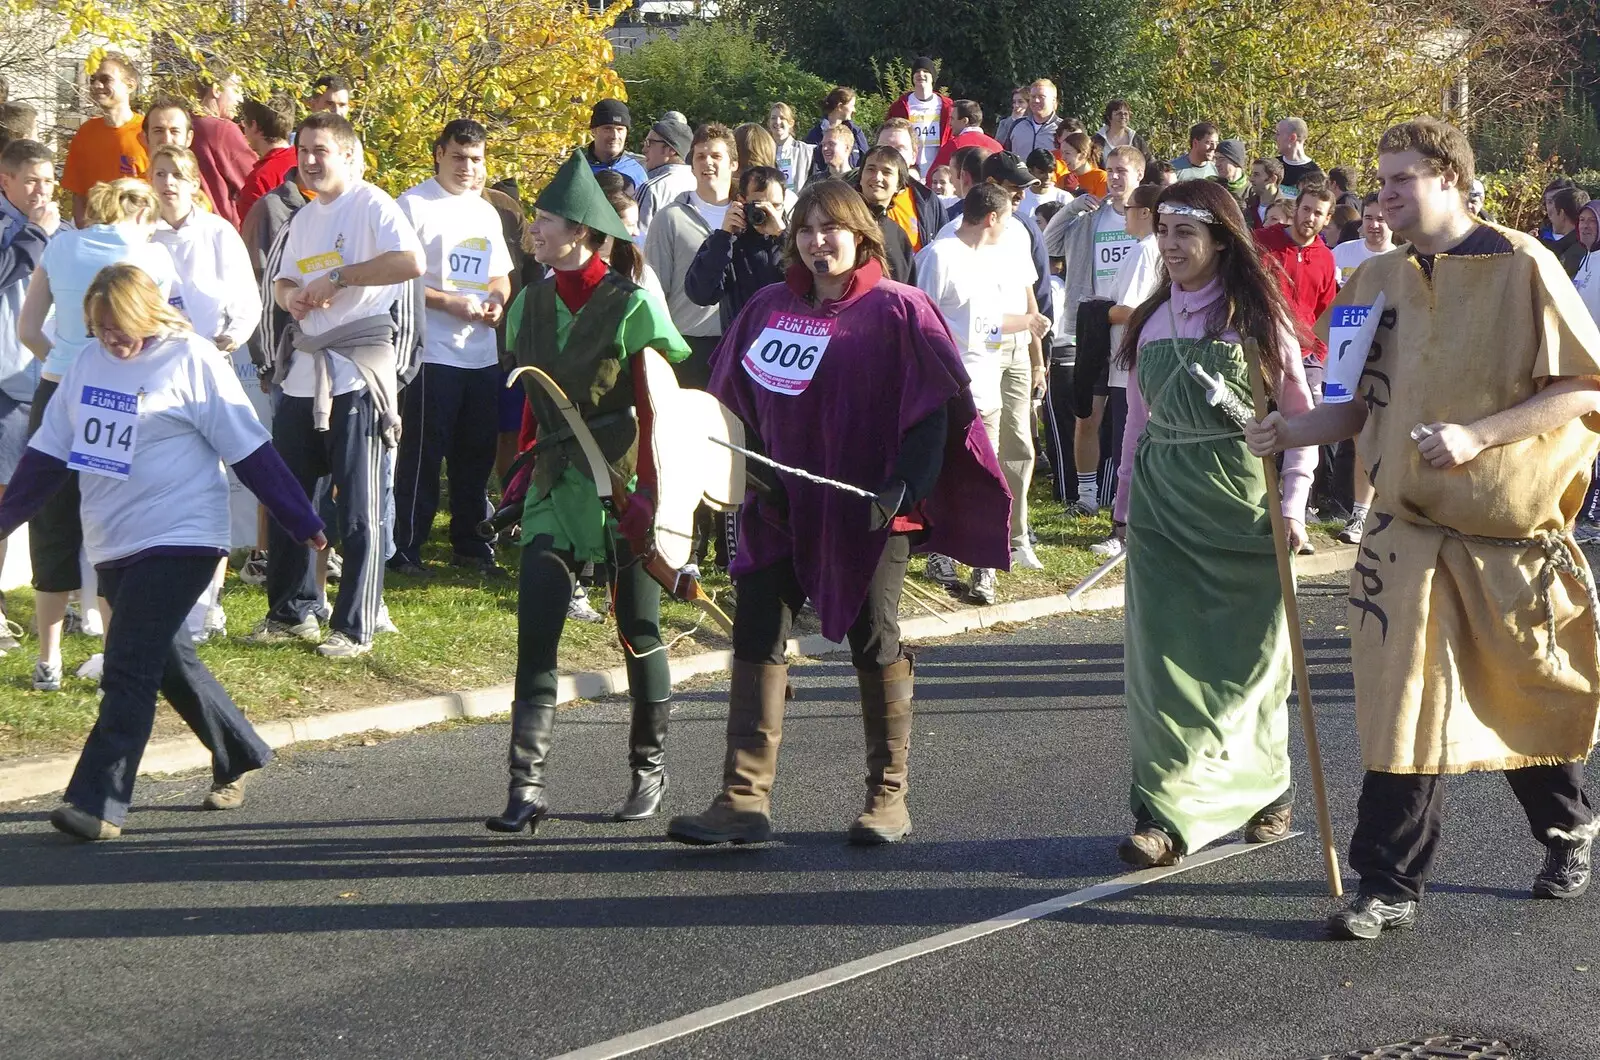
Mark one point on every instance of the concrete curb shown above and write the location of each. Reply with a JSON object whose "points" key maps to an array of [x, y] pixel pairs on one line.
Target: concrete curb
{"points": [[26, 780]]}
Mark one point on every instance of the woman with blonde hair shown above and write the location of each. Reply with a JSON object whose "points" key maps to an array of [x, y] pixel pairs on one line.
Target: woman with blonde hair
{"points": [[217, 291], [794, 156], [148, 415], [120, 218], [850, 375], [755, 146]]}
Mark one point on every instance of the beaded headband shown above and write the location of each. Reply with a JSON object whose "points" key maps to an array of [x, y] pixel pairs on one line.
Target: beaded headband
{"points": [[1188, 211]]}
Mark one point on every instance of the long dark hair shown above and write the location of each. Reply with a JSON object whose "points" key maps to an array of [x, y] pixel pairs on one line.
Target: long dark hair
{"points": [[1252, 302]]}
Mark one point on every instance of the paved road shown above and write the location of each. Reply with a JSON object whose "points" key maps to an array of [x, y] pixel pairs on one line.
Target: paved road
{"points": [[356, 907]]}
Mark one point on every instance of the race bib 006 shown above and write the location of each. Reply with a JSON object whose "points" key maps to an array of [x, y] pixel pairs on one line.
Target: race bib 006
{"points": [[107, 433], [785, 356]]}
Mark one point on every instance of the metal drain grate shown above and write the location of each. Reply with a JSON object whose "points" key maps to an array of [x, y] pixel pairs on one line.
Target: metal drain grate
{"points": [[1449, 1047]]}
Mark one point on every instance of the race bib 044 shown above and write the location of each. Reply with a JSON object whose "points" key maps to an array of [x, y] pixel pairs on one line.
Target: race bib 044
{"points": [[107, 433], [785, 356]]}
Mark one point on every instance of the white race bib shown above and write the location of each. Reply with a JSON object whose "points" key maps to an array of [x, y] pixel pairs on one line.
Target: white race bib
{"points": [[1351, 329], [985, 333], [107, 433], [785, 356], [467, 266]]}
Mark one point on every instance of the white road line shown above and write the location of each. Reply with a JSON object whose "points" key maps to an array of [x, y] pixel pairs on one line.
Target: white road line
{"points": [[661, 1033]]}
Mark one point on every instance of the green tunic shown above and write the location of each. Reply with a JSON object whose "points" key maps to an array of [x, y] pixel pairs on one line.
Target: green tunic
{"points": [[1207, 650], [587, 354]]}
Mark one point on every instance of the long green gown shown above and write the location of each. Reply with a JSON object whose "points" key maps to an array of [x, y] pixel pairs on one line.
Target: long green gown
{"points": [[1207, 650]]}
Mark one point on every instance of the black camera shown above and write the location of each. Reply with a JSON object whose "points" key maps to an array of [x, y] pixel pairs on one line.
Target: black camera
{"points": [[757, 214]]}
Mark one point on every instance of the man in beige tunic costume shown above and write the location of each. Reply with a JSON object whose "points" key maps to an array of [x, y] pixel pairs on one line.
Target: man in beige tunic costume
{"points": [[1472, 617]]}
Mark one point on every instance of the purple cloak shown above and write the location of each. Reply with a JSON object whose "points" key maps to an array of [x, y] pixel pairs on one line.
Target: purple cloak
{"points": [[886, 361]]}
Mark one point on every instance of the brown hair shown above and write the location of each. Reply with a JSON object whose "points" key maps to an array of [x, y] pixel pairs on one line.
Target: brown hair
{"points": [[1273, 167], [837, 98], [1088, 150], [1441, 143], [842, 205], [130, 298], [715, 131], [130, 72], [1252, 301], [1316, 189], [754, 146]]}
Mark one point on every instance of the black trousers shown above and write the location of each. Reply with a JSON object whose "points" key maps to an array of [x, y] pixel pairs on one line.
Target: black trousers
{"points": [[55, 533], [1112, 426], [149, 650], [544, 589], [449, 417], [1399, 818], [769, 598], [1059, 425]]}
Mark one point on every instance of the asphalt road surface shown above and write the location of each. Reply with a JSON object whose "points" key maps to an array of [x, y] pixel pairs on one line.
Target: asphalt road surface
{"points": [[356, 907]]}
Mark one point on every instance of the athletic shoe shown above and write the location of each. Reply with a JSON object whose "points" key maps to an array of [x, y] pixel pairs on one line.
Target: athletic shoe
{"points": [[10, 635], [216, 620], [86, 826], [404, 566], [323, 612], [93, 624], [1566, 870], [384, 623], [690, 570], [983, 586], [1369, 917], [942, 569], [72, 622], [92, 669], [1082, 510], [1586, 533], [484, 565], [271, 631], [580, 610], [254, 571], [1351, 534], [1307, 549], [340, 645], [47, 676], [228, 796], [335, 567], [1024, 559], [1111, 546]]}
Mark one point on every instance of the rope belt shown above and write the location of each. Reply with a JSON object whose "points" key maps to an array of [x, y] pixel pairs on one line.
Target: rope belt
{"points": [[1557, 559]]}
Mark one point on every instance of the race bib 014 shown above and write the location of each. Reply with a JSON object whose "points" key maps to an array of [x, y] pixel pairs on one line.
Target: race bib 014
{"points": [[785, 356], [107, 433]]}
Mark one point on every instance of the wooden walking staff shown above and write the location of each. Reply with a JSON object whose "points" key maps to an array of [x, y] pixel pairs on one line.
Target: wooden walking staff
{"points": [[1291, 610]]}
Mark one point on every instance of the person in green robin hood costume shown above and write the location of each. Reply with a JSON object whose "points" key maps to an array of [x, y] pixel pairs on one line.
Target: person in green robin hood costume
{"points": [[582, 326]]}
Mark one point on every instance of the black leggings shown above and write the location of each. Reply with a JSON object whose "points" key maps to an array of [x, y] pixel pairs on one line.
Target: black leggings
{"points": [[769, 598], [545, 589]]}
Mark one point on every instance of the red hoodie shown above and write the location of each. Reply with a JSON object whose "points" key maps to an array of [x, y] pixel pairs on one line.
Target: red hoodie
{"points": [[1308, 278]]}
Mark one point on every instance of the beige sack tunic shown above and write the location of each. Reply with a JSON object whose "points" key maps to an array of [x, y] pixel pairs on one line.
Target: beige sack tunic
{"points": [[1449, 639]]}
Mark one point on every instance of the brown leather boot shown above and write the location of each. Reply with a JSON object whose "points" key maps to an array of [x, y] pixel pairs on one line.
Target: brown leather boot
{"points": [[740, 813], [886, 717]]}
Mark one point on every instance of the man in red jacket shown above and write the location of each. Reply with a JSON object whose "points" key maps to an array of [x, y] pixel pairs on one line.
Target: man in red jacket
{"points": [[966, 119], [928, 112], [225, 158], [266, 128]]}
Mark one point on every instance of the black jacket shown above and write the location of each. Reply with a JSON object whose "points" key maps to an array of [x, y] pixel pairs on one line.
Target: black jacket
{"points": [[727, 270], [1570, 251], [897, 248]]}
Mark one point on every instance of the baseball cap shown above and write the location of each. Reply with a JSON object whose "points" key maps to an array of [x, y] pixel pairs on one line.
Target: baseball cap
{"points": [[1006, 168]]}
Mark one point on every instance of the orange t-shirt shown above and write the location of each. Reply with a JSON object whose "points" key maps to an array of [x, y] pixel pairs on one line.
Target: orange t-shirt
{"points": [[100, 153], [903, 211], [1092, 181]]}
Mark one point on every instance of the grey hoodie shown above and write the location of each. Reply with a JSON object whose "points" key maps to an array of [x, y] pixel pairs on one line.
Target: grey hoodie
{"points": [[676, 233]]}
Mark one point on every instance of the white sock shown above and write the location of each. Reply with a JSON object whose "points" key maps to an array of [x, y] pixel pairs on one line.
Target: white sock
{"points": [[1359, 511], [1088, 495]]}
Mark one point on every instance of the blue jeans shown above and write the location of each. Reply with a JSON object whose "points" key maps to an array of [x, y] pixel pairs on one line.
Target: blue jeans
{"points": [[149, 649]]}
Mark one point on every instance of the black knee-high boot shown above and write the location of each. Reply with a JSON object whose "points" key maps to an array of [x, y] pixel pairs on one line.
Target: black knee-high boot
{"points": [[531, 726], [650, 681]]}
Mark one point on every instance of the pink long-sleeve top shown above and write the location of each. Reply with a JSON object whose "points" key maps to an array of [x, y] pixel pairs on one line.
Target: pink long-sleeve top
{"points": [[1189, 311]]}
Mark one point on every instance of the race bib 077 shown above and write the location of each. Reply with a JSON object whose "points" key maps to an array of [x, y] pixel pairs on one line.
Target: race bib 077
{"points": [[107, 433], [785, 356], [467, 266]]}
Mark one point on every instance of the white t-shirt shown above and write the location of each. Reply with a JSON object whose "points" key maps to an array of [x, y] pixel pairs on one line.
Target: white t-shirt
{"points": [[1587, 281], [1136, 280], [465, 247], [926, 127], [1347, 256], [1112, 245], [216, 287], [356, 227], [1033, 198], [973, 288], [193, 417], [1014, 238], [711, 215]]}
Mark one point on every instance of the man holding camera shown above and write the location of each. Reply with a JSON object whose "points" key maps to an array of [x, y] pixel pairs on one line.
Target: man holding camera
{"points": [[746, 253]]}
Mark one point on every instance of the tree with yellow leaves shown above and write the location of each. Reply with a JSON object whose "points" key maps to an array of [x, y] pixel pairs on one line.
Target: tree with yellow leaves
{"points": [[530, 70]]}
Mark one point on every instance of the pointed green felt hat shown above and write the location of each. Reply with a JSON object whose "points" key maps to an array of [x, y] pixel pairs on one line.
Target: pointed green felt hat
{"points": [[574, 194]]}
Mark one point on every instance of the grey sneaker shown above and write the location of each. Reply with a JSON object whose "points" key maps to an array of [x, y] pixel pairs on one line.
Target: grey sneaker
{"points": [[72, 622], [254, 571], [1368, 917], [47, 676], [1586, 533], [229, 796], [942, 569], [340, 645], [335, 567], [580, 610], [1111, 546], [10, 635], [1082, 510], [1351, 534], [384, 623], [1566, 870], [271, 631], [983, 586]]}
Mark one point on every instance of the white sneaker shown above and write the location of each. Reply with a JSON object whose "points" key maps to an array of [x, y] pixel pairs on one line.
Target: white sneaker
{"points": [[11, 635], [690, 570], [384, 623], [1111, 546], [93, 624], [983, 586], [580, 610], [1082, 510], [216, 620], [47, 676], [1024, 558], [92, 669], [942, 569], [340, 645], [254, 571]]}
